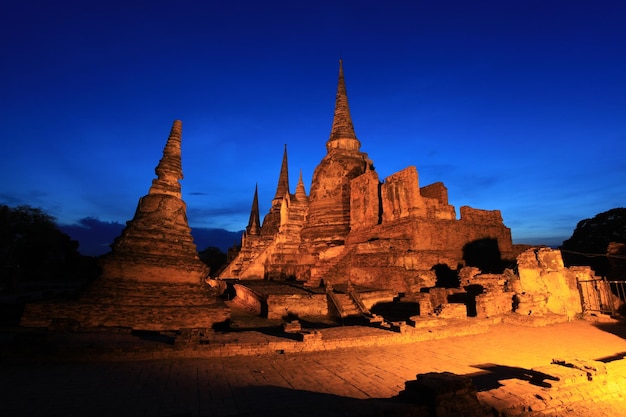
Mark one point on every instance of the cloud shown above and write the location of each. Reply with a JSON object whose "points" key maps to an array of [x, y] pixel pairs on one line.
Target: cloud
{"points": [[94, 236], [219, 217]]}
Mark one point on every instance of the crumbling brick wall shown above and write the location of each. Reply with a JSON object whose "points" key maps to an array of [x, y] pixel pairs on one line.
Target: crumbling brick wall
{"points": [[365, 201], [400, 195]]}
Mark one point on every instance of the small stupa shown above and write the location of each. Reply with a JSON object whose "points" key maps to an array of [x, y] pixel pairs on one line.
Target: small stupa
{"points": [[153, 278], [156, 244]]}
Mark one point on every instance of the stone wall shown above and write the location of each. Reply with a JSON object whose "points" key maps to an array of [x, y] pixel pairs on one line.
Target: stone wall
{"points": [[545, 285], [473, 215], [301, 305], [393, 255], [135, 305], [436, 191], [400, 195], [371, 298], [365, 201], [248, 299], [494, 304]]}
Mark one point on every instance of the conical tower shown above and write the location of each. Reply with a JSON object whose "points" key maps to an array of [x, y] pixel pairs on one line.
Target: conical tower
{"points": [[342, 134], [271, 222], [283, 180], [169, 170], [156, 244], [300, 191], [329, 210], [254, 224], [152, 279]]}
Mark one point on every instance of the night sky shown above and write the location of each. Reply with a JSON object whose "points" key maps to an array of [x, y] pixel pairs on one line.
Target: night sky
{"points": [[515, 105]]}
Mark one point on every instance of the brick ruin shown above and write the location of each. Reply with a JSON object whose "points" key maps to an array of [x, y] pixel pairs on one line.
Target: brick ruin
{"points": [[353, 227], [356, 242], [156, 245], [352, 246], [153, 278]]}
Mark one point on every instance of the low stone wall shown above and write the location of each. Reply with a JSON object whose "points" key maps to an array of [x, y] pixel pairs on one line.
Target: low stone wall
{"points": [[546, 286], [213, 345], [132, 304], [494, 304], [73, 316], [371, 298], [282, 305], [248, 299], [565, 387]]}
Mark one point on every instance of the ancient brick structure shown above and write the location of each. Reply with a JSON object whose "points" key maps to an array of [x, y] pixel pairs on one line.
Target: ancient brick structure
{"points": [[153, 278], [156, 244], [354, 227]]}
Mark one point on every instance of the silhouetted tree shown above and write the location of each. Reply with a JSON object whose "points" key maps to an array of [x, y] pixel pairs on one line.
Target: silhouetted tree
{"points": [[591, 238], [32, 248], [214, 258]]}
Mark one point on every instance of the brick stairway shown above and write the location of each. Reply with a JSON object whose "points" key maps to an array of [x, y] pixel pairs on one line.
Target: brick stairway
{"points": [[348, 306]]}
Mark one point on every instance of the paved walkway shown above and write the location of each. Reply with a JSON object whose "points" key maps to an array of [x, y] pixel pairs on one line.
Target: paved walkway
{"points": [[343, 382]]}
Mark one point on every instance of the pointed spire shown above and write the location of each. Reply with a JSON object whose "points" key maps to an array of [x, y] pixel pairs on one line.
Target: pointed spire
{"points": [[254, 224], [342, 132], [283, 178], [169, 170], [300, 191]]}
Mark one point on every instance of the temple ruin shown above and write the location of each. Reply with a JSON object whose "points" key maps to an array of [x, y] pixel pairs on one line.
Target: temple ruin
{"points": [[355, 247], [389, 256], [355, 228]]}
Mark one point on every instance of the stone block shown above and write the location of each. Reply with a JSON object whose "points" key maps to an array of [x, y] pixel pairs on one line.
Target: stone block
{"points": [[557, 376], [313, 336], [293, 326], [452, 311], [445, 394]]}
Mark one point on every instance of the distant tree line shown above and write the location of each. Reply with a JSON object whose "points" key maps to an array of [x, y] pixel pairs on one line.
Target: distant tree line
{"points": [[33, 249], [214, 258]]}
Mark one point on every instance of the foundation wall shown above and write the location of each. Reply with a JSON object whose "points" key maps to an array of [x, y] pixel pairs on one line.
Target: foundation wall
{"points": [[280, 306], [155, 318]]}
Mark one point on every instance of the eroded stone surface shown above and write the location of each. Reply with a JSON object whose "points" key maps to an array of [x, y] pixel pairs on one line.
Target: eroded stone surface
{"points": [[156, 244], [546, 286]]}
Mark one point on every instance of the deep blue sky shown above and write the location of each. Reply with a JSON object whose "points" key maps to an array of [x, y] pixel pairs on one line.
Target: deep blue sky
{"points": [[514, 105]]}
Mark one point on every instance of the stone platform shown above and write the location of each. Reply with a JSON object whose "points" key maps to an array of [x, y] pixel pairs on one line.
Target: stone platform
{"points": [[120, 303]]}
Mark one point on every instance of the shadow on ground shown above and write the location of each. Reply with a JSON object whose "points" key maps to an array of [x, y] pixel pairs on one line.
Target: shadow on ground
{"points": [[397, 310], [617, 328], [278, 402], [492, 374]]}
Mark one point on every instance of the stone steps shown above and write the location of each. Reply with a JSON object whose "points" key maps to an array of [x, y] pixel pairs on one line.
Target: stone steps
{"points": [[350, 309], [323, 271]]}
